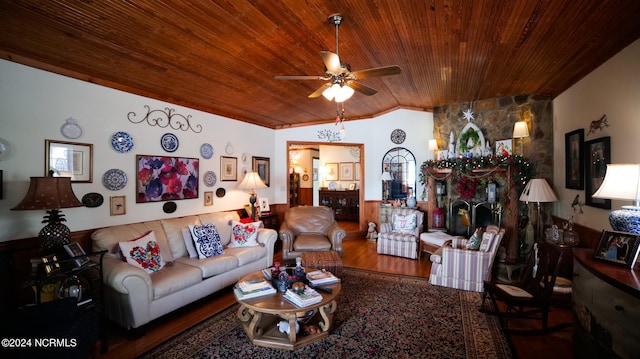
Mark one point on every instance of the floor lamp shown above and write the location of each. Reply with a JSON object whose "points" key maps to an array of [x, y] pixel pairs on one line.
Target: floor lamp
{"points": [[538, 191], [251, 181]]}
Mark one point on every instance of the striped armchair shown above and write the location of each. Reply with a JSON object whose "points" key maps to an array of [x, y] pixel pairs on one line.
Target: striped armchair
{"points": [[402, 236], [455, 266]]}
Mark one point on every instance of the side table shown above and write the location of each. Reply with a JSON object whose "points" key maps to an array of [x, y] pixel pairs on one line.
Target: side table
{"points": [[271, 221]]}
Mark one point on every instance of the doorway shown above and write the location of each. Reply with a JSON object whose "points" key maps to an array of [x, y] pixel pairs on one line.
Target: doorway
{"points": [[308, 163]]}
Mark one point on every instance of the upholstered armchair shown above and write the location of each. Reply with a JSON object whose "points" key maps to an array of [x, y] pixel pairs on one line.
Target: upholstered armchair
{"points": [[455, 266], [310, 229], [401, 237]]}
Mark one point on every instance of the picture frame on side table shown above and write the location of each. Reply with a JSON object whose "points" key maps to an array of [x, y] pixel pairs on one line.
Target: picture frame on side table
{"points": [[51, 264], [117, 205], [69, 159], [264, 205], [75, 250], [262, 165], [228, 168], [574, 159], [617, 248], [352, 186], [597, 155]]}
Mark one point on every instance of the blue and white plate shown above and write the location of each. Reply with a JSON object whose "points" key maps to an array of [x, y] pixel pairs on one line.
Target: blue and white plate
{"points": [[114, 179], [210, 178], [206, 150], [122, 142], [169, 142]]}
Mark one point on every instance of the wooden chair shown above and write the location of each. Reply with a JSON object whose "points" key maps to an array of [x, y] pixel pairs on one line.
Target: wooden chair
{"points": [[529, 298]]}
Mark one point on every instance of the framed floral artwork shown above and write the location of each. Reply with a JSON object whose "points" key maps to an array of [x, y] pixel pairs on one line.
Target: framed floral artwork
{"points": [[597, 155], [228, 168], [163, 178]]}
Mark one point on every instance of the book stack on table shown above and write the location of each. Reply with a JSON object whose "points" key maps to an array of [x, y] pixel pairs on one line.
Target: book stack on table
{"points": [[321, 277], [252, 288], [305, 299]]}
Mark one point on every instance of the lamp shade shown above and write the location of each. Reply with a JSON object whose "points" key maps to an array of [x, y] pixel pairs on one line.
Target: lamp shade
{"points": [[433, 144], [538, 190], [48, 193], [386, 176], [251, 181], [520, 130], [622, 181]]}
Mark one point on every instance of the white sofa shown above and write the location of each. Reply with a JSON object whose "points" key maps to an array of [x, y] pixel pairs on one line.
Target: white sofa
{"points": [[134, 298]]}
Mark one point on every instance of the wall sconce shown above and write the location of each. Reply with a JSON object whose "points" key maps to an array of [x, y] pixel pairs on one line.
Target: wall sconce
{"points": [[433, 146], [520, 130]]}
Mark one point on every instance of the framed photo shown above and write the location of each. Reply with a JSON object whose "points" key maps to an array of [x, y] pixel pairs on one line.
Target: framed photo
{"points": [[314, 171], [51, 264], [332, 171], [356, 172], [352, 186], [228, 168], [618, 248], [69, 159], [346, 171], [504, 147], [208, 198], [264, 205], [117, 205], [443, 155], [74, 250], [574, 159], [164, 178], [597, 155], [262, 165]]}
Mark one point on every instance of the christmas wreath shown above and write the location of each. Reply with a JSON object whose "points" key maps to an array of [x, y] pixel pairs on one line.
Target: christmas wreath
{"points": [[470, 134], [466, 187]]}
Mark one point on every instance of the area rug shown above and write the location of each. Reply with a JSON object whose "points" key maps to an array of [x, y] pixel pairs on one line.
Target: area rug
{"points": [[378, 316]]}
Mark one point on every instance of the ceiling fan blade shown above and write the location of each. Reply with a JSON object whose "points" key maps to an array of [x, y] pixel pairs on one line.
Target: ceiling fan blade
{"points": [[331, 62], [376, 72], [319, 91], [300, 77], [366, 90]]}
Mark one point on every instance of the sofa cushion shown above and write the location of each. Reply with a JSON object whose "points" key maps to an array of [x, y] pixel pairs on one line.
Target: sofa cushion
{"points": [[173, 278], [475, 240], [143, 252], [109, 237], [173, 230], [222, 221], [404, 223], [188, 242], [244, 235], [206, 240], [211, 266], [247, 255], [311, 242]]}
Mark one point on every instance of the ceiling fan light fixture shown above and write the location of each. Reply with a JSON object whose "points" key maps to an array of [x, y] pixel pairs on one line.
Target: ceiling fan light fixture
{"points": [[331, 92], [344, 93]]}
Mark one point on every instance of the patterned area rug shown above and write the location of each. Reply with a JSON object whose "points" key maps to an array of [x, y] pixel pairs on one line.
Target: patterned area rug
{"points": [[378, 316]]}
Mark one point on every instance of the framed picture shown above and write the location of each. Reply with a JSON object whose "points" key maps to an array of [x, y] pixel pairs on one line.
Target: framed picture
{"points": [[443, 155], [597, 155], [346, 171], [69, 159], [356, 172], [574, 159], [228, 168], [352, 186], [264, 205], [164, 178], [262, 165], [618, 248], [117, 205], [74, 250], [51, 264], [314, 171], [504, 148], [332, 171], [208, 198]]}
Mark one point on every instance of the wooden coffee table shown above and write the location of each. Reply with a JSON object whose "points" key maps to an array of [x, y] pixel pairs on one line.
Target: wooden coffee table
{"points": [[260, 316]]}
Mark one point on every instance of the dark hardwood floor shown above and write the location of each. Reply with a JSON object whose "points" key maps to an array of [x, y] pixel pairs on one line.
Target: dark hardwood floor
{"points": [[358, 253]]}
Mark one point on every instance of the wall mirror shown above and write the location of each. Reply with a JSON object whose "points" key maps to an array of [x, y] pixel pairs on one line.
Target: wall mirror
{"points": [[401, 165]]}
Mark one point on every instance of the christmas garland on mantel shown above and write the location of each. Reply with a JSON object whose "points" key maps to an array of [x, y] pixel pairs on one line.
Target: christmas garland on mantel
{"points": [[458, 168]]}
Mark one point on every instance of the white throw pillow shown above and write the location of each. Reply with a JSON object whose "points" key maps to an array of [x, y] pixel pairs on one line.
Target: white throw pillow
{"points": [[188, 241], [244, 235], [405, 223], [206, 240], [143, 252]]}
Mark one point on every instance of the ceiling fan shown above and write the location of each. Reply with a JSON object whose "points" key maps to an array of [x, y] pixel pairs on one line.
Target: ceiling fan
{"points": [[341, 81]]}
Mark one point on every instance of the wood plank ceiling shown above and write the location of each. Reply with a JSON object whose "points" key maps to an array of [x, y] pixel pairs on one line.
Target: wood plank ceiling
{"points": [[220, 56]]}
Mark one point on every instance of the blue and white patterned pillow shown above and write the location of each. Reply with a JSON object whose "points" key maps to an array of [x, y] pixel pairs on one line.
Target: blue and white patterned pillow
{"points": [[206, 240]]}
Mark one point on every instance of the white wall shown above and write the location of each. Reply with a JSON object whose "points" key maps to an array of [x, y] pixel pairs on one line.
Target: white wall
{"points": [[613, 89], [35, 104]]}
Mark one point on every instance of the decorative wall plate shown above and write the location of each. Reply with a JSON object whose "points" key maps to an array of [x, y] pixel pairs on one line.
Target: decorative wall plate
{"points": [[398, 136], [71, 129], [169, 207], [169, 142], [92, 200], [209, 178], [114, 179], [332, 185], [229, 149], [5, 149], [206, 151], [122, 142], [220, 192], [305, 177]]}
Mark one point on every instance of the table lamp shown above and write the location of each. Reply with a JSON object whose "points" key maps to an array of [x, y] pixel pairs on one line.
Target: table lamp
{"points": [[50, 194], [538, 191], [622, 181], [386, 177], [251, 181]]}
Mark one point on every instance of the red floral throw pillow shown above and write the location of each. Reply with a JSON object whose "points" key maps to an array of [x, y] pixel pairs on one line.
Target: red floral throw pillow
{"points": [[143, 253]]}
